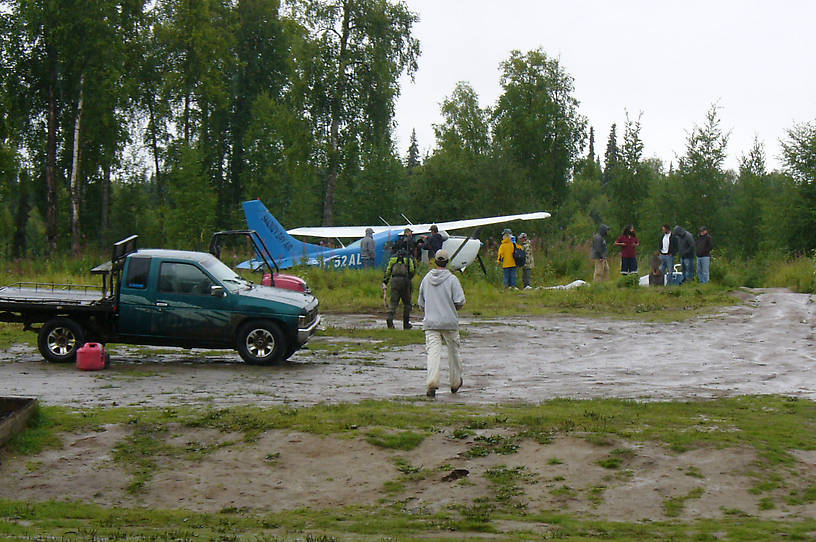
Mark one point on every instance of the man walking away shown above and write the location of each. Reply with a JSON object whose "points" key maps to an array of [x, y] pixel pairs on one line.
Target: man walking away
{"points": [[599, 254], [400, 272], [685, 249], [703, 248], [527, 268], [668, 248], [368, 251], [441, 295]]}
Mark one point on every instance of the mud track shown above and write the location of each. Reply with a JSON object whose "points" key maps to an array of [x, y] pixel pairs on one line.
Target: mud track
{"points": [[763, 346]]}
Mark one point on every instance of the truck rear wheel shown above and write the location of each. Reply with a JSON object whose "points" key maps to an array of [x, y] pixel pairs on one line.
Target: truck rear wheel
{"points": [[59, 339], [261, 343]]}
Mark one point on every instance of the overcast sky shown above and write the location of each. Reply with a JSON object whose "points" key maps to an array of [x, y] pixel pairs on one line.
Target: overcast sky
{"points": [[668, 60]]}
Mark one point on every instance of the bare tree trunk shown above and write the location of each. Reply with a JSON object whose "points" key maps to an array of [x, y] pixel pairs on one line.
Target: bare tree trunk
{"points": [[76, 232], [334, 128], [155, 146], [51, 157], [18, 244], [187, 119]]}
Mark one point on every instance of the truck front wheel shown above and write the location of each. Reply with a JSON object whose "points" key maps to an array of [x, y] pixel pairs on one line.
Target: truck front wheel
{"points": [[261, 342], [59, 339]]}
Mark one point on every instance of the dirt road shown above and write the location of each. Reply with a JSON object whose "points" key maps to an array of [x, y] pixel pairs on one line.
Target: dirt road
{"points": [[766, 345]]}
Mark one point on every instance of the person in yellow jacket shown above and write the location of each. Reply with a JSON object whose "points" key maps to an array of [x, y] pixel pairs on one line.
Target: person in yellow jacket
{"points": [[506, 260]]}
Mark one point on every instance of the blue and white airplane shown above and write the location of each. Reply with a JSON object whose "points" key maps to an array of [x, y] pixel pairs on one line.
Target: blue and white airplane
{"points": [[288, 251]]}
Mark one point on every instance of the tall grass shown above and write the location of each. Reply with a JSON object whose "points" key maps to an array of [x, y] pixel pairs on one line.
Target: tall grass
{"points": [[798, 274], [558, 263]]}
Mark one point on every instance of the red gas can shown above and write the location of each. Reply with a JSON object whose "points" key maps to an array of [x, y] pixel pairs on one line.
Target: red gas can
{"points": [[91, 357]]}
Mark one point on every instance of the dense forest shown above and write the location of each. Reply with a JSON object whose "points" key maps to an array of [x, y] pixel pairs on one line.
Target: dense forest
{"points": [[159, 118]]}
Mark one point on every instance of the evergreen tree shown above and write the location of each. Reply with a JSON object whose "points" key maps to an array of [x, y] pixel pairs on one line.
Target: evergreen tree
{"points": [[412, 160], [611, 154], [702, 180], [750, 195], [591, 153]]}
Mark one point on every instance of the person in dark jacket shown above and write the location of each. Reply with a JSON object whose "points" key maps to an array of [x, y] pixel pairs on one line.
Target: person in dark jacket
{"points": [[703, 247], [400, 272], [434, 242], [599, 254], [667, 246], [685, 250], [405, 242], [368, 252]]}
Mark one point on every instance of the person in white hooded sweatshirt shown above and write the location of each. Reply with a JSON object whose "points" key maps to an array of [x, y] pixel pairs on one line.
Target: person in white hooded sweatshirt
{"points": [[441, 295]]}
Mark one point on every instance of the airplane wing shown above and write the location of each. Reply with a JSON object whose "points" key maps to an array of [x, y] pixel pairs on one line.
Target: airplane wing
{"points": [[359, 231]]}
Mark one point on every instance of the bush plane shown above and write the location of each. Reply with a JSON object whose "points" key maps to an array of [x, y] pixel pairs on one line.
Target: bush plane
{"points": [[288, 251]]}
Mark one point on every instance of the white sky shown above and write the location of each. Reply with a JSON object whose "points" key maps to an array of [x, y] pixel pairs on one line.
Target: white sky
{"points": [[669, 60]]}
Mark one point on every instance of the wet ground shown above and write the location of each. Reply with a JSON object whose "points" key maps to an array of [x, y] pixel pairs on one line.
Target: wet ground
{"points": [[767, 345]]}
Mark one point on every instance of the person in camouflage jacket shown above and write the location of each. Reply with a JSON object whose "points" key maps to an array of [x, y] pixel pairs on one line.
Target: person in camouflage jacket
{"points": [[529, 263]]}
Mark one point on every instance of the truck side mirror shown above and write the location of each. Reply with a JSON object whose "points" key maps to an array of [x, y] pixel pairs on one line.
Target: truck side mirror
{"points": [[217, 290]]}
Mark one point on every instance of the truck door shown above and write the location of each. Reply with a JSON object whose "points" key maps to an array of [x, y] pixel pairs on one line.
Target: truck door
{"points": [[136, 305], [186, 308]]}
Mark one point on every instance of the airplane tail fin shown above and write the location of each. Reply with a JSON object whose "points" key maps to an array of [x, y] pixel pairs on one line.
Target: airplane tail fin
{"points": [[280, 243]]}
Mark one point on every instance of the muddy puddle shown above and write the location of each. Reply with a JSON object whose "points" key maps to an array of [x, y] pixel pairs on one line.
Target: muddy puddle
{"points": [[767, 345]]}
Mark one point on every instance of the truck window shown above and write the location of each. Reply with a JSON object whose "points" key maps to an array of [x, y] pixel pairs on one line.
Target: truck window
{"points": [[183, 278], [138, 272]]}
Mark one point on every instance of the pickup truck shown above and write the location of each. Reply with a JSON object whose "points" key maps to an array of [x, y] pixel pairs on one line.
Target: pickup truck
{"points": [[164, 297]]}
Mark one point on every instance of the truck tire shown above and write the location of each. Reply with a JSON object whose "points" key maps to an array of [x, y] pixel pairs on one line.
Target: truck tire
{"points": [[59, 339], [261, 342]]}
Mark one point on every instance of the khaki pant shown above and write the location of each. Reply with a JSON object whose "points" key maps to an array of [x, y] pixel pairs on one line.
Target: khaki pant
{"points": [[601, 271], [433, 343]]}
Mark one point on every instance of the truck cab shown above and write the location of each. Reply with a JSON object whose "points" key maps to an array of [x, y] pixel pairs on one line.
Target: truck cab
{"points": [[191, 299]]}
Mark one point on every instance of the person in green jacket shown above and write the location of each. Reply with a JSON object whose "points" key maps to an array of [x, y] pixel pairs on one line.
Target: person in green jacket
{"points": [[399, 273]]}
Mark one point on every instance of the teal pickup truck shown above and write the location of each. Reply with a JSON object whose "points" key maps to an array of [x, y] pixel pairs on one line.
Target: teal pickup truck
{"points": [[164, 297]]}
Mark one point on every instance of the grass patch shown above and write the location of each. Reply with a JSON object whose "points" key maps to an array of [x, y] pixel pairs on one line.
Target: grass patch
{"points": [[404, 440], [616, 458], [772, 425], [595, 495], [359, 291], [79, 521], [11, 334], [797, 274], [505, 482], [498, 444], [139, 453], [806, 496], [694, 472], [673, 506]]}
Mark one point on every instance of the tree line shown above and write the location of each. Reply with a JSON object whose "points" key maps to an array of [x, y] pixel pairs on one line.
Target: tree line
{"points": [[159, 118]]}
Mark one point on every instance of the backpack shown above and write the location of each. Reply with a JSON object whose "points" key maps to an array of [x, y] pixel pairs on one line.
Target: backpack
{"points": [[519, 256], [399, 269]]}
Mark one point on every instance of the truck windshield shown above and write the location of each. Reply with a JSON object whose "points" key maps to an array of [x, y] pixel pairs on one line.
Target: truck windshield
{"points": [[226, 276]]}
